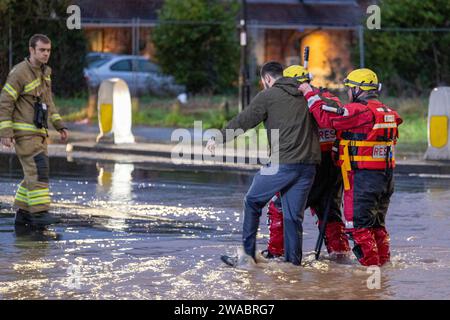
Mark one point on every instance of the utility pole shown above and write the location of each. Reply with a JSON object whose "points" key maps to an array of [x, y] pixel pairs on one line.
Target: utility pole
{"points": [[135, 34], [244, 87], [361, 46], [10, 53]]}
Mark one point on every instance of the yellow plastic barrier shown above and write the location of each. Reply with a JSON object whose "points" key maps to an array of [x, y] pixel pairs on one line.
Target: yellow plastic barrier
{"points": [[106, 117], [438, 125], [438, 131], [114, 111]]}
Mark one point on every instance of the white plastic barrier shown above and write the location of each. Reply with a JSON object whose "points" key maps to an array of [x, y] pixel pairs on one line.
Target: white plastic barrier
{"points": [[438, 125], [114, 111]]}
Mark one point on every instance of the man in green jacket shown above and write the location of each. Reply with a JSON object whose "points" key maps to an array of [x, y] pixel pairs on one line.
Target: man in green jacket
{"points": [[294, 156]]}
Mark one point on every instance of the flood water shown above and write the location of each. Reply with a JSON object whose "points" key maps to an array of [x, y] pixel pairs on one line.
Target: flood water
{"points": [[133, 233]]}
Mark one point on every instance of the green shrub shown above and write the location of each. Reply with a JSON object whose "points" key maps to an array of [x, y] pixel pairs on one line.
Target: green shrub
{"points": [[196, 42], [410, 62]]}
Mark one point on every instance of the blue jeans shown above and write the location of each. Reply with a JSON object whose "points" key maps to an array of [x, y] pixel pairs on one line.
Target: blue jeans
{"points": [[294, 182]]}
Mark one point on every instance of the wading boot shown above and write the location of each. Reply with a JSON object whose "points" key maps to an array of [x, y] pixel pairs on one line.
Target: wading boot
{"points": [[43, 219]]}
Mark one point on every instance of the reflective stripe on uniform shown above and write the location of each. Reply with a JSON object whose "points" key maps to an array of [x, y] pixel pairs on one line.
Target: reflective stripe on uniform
{"points": [[385, 125], [33, 198], [56, 117], [356, 143], [38, 201], [22, 191], [21, 198], [9, 88], [6, 124], [48, 78], [32, 85], [22, 194], [38, 193], [366, 158], [312, 100], [27, 127]]}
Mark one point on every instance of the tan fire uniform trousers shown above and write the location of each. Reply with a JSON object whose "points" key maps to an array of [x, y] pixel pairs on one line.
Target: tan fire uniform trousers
{"points": [[33, 194]]}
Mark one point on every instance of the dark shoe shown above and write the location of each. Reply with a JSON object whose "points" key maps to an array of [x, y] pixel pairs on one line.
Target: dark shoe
{"points": [[266, 254], [42, 219], [22, 218], [240, 260], [230, 261], [33, 233]]}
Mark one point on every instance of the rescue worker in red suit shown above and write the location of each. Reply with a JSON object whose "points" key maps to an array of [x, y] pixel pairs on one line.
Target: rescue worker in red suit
{"points": [[366, 133], [327, 187]]}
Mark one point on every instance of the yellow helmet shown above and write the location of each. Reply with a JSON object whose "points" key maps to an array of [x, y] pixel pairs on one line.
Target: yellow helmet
{"points": [[297, 72], [364, 78]]}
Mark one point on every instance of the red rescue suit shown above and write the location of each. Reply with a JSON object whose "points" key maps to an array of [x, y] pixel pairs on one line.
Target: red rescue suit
{"points": [[366, 135], [327, 186]]}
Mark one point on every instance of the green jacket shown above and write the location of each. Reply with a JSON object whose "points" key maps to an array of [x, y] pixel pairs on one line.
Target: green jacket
{"points": [[284, 108], [24, 84]]}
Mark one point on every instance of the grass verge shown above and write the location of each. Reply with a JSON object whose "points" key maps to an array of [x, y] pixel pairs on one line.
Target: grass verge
{"points": [[212, 111]]}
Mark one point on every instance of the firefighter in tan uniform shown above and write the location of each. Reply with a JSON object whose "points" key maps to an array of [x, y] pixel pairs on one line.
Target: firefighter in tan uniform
{"points": [[26, 105]]}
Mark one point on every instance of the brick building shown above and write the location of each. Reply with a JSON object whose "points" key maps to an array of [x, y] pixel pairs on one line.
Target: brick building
{"points": [[277, 30]]}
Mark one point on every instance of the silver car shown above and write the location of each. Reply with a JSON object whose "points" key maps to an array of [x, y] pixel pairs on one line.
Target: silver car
{"points": [[92, 57], [142, 75]]}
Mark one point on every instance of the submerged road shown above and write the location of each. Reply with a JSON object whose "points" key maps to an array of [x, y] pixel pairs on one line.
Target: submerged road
{"points": [[145, 233]]}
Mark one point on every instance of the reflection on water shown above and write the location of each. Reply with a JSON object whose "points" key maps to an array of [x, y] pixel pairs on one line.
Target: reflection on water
{"points": [[151, 234], [115, 179]]}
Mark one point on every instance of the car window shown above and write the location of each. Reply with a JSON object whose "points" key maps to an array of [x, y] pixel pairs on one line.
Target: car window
{"points": [[123, 65], [98, 62], [147, 66]]}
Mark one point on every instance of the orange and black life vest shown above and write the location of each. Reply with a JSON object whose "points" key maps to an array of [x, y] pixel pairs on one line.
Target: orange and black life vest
{"points": [[373, 150]]}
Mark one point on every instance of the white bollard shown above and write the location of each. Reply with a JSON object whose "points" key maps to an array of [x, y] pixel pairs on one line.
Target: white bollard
{"points": [[114, 111], [438, 125]]}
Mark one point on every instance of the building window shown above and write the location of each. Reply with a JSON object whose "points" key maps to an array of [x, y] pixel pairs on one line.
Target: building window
{"points": [[95, 40]]}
